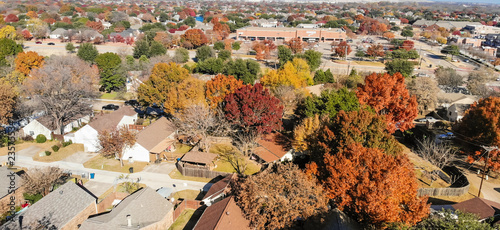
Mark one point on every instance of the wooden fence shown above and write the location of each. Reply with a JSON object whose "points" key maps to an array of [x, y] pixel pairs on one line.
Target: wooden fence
{"points": [[198, 172], [192, 204], [458, 188]]}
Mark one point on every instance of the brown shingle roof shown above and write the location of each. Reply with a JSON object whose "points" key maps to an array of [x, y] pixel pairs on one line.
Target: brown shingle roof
{"points": [[268, 149], [219, 187], [155, 134], [199, 157], [224, 214], [479, 206], [110, 120]]}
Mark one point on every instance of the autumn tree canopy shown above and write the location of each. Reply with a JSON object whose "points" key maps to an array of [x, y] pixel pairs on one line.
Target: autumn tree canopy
{"points": [[196, 37], [388, 96], [296, 45], [341, 49], [113, 142], [26, 61], [481, 124], [373, 187], [276, 199], [220, 86], [8, 100], [295, 73]]}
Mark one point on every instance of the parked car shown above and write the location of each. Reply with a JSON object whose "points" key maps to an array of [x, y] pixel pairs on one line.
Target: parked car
{"points": [[110, 107], [430, 119], [38, 42], [51, 44], [132, 103]]}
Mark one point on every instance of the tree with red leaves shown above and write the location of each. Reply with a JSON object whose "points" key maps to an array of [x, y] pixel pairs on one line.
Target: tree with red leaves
{"points": [[375, 51], [196, 37], [95, 25], [481, 125], [372, 187], [119, 38], [296, 45], [252, 109], [342, 48], [11, 18], [129, 40], [408, 45], [221, 30], [27, 35], [387, 95]]}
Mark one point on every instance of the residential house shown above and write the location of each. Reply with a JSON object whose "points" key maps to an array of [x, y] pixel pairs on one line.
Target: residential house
{"points": [[143, 209], [481, 30], [64, 208], [456, 104], [483, 208], [219, 190], [45, 125], [152, 142], [10, 186], [198, 159], [269, 150], [58, 33], [223, 215], [88, 134]]}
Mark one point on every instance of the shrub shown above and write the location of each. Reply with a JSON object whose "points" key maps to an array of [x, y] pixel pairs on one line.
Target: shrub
{"points": [[66, 143], [55, 148], [28, 138], [47, 153], [41, 138], [32, 198]]}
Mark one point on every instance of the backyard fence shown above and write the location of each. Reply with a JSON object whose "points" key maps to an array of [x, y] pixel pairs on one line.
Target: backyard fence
{"points": [[198, 172], [458, 187], [192, 204]]}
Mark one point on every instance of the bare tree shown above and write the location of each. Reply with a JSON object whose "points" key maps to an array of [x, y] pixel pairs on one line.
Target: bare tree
{"points": [[289, 98], [200, 121], [439, 155], [229, 154], [477, 80], [114, 142], [448, 77], [425, 89], [117, 16], [63, 88], [245, 141], [42, 180]]}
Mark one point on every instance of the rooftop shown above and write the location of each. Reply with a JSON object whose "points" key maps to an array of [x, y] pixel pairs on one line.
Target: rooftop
{"points": [[110, 121], [481, 207], [289, 29], [269, 150], [155, 135], [224, 214], [199, 157]]}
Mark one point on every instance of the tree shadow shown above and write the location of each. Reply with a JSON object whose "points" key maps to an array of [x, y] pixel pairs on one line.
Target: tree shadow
{"points": [[194, 218], [284, 139], [437, 201]]}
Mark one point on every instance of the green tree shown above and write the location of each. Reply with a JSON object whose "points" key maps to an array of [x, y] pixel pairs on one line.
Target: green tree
{"points": [[402, 66], [156, 49], [204, 53], [447, 220], [284, 55], [451, 49], [224, 55], [407, 33], [210, 66], [245, 70], [70, 47], [110, 69], [141, 47], [236, 46], [8, 47], [329, 103], [190, 21], [181, 55], [87, 52], [322, 77], [219, 46], [313, 59]]}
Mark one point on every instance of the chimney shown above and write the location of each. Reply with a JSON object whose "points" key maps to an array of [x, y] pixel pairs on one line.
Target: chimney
{"points": [[129, 221]]}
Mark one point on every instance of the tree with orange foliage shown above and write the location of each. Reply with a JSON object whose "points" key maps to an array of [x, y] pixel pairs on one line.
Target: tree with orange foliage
{"points": [[32, 14], [408, 45], [49, 21], [359, 17], [496, 62], [27, 35], [480, 124], [26, 61], [296, 45], [228, 44], [67, 20], [371, 186], [222, 30], [342, 48], [388, 35], [195, 36], [387, 95], [263, 49], [220, 86], [375, 51], [95, 25]]}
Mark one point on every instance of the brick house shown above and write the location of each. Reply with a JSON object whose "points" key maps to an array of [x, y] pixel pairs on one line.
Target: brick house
{"points": [[10, 182]]}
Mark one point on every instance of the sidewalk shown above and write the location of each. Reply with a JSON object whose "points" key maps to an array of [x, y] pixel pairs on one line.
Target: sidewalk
{"points": [[102, 177], [490, 191]]}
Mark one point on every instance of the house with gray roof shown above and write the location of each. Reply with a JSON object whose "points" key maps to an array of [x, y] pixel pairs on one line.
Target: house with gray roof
{"points": [[10, 186], [143, 209], [64, 208]]}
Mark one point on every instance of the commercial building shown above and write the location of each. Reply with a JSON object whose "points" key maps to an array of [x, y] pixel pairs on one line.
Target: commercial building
{"points": [[286, 33]]}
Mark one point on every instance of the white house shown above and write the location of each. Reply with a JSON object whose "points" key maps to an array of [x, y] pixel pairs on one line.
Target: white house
{"points": [[87, 135], [45, 125], [152, 142], [57, 33]]}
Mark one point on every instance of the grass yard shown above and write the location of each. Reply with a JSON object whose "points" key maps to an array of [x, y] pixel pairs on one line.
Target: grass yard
{"points": [[224, 166], [370, 63], [102, 163], [61, 154], [182, 220], [44, 146], [187, 194], [117, 96], [109, 96], [421, 164], [175, 174]]}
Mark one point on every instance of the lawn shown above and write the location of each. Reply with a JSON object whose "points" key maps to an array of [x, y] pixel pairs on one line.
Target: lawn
{"points": [[44, 146], [421, 164], [370, 63], [222, 165], [102, 163], [182, 220], [187, 194], [117, 96], [61, 154], [175, 174], [109, 96]]}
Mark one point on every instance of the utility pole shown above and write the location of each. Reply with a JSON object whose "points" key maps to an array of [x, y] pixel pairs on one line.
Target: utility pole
{"points": [[488, 149], [420, 54]]}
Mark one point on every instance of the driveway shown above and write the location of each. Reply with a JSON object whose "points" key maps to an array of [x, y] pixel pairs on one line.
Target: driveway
{"points": [[163, 168], [80, 157], [29, 152]]}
